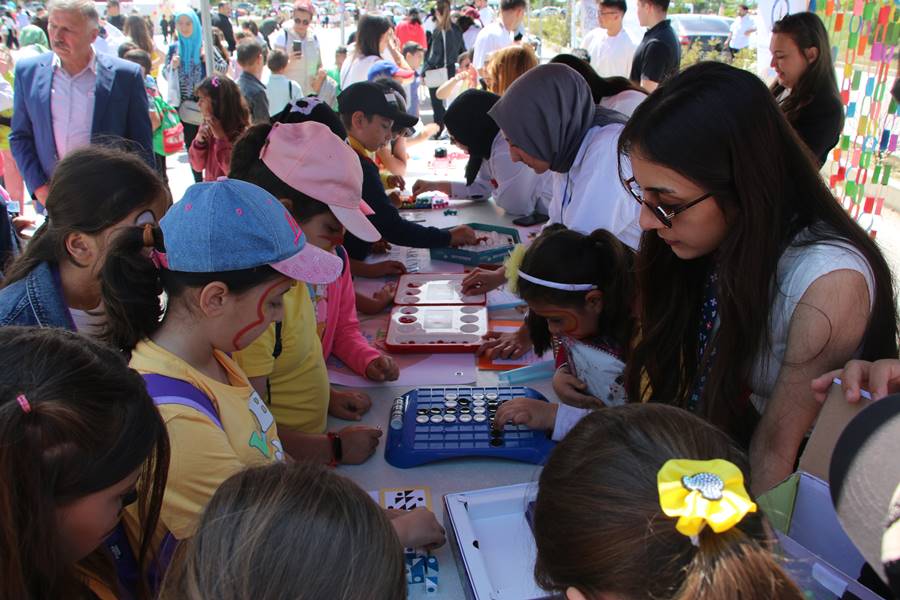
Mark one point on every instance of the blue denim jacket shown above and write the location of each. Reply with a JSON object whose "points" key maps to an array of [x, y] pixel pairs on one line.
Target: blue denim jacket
{"points": [[36, 300]]}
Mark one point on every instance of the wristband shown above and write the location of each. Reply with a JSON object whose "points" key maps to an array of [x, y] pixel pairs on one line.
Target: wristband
{"points": [[337, 449]]}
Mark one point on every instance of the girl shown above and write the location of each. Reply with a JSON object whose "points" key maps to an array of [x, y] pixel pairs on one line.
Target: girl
{"points": [[622, 512], [805, 86], [136, 29], [77, 431], [185, 69], [374, 41], [490, 171], [446, 43], [95, 193], [732, 334], [330, 525], [466, 78], [614, 93], [508, 64], [585, 313], [225, 117], [318, 177]]}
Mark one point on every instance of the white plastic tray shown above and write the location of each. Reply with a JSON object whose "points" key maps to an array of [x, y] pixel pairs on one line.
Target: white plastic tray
{"points": [[436, 328]]}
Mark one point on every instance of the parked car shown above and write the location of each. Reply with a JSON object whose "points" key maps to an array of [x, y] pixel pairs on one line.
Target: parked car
{"points": [[548, 11], [710, 31]]}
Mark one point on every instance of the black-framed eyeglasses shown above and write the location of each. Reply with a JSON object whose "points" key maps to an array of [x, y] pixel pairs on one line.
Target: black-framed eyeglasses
{"points": [[665, 216]]}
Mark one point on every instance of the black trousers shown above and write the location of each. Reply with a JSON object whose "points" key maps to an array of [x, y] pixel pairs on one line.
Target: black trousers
{"points": [[190, 132]]}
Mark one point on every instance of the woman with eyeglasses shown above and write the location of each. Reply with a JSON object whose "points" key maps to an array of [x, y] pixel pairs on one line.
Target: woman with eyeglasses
{"points": [[753, 279]]}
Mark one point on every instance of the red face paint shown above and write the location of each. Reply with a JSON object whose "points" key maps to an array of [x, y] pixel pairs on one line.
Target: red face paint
{"points": [[260, 316], [568, 319]]}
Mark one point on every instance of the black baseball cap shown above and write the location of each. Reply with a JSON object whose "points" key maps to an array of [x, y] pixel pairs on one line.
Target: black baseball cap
{"points": [[865, 485], [372, 99]]}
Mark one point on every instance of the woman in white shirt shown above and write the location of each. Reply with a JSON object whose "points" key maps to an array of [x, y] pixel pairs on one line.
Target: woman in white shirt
{"points": [[753, 278], [375, 41], [615, 93], [490, 171]]}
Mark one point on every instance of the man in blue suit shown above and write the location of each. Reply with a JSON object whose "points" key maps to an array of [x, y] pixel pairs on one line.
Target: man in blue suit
{"points": [[73, 97]]}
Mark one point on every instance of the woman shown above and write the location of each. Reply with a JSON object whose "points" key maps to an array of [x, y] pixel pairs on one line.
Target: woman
{"points": [[490, 170], [374, 41], [446, 44], [94, 193], [184, 70], [805, 85], [508, 64], [614, 93], [136, 29], [754, 280]]}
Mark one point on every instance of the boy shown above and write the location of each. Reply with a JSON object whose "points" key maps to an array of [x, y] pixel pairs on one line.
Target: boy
{"points": [[250, 58], [340, 55], [369, 114], [280, 91], [142, 58], [414, 54]]}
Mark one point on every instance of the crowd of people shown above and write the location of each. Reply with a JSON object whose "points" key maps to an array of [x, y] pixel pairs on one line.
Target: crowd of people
{"points": [[164, 406]]}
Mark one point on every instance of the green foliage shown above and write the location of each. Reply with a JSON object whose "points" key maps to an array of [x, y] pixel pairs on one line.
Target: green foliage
{"points": [[554, 30], [745, 59]]}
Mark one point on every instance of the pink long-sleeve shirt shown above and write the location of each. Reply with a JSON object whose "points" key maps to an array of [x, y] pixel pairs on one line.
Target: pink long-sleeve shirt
{"points": [[213, 157], [338, 324]]}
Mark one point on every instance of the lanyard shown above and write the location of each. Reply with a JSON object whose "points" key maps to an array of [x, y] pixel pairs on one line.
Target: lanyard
{"points": [[566, 199]]}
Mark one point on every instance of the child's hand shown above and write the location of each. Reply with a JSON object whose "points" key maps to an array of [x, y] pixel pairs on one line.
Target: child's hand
{"points": [[358, 443], [571, 390], [418, 528], [381, 247], [505, 345], [385, 296], [462, 235], [395, 198], [532, 413], [421, 186], [203, 134], [388, 268], [395, 181], [215, 126], [350, 406], [481, 281], [382, 368]]}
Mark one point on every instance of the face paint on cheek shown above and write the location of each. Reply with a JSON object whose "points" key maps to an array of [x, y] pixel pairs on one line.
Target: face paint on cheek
{"points": [[260, 316], [567, 319]]}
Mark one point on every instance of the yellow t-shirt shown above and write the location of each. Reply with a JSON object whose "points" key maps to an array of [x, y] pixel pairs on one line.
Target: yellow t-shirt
{"points": [[298, 378], [203, 456]]}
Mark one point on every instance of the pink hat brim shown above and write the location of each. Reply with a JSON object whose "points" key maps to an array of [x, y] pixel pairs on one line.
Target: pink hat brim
{"points": [[356, 222], [311, 265]]}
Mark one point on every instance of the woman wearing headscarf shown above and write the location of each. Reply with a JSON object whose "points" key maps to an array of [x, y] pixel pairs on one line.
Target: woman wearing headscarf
{"points": [[549, 118], [490, 170], [184, 70]]}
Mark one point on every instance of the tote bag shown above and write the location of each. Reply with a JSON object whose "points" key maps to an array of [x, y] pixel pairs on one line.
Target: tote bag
{"points": [[438, 77], [169, 136]]}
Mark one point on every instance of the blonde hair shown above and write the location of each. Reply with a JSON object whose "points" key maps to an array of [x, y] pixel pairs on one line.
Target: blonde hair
{"points": [[507, 65], [296, 531]]}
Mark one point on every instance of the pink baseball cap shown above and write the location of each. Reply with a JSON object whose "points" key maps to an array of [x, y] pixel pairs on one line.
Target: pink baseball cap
{"points": [[312, 160]]}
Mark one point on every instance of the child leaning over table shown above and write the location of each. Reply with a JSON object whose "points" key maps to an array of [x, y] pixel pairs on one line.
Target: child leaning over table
{"points": [[580, 290]]}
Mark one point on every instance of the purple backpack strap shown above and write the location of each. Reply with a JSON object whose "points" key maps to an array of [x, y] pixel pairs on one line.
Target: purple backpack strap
{"points": [[168, 390]]}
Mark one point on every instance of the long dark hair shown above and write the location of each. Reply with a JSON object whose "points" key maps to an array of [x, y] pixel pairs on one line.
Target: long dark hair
{"points": [[601, 87], [238, 551], [599, 258], [720, 127], [228, 104], [368, 34], [807, 31], [89, 425], [92, 189], [598, 526], [136, 29]]}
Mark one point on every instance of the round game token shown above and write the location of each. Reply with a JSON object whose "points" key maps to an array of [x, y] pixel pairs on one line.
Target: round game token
{"points": [[450, 403], [437, 419], [451, 396], [465, 410], [493, 405], [421, 411], [479, 418], [496, 441], [463, 401], [449, 418], [435, 411], [422, 419], [450, 411], [496, 432], [478, 410], [465, 418], [492, 395], [477, 396], [477, 403]]}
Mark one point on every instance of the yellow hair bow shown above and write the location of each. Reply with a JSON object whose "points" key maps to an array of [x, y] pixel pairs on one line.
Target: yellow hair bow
{"points": [[703, 492], [512, 264]]}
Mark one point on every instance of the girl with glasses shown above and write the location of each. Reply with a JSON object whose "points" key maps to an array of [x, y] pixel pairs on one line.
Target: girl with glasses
{"points": [[753, 279]]}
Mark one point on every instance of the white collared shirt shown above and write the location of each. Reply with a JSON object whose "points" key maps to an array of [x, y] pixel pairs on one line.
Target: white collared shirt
{"points": [[490, 39], [611, 55], [72, 100]]}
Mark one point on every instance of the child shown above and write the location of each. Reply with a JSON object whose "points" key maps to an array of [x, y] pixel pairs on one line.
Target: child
{"points": [[299, 163], [340, 55], [466, 78], [369, 114], [77, 430], [585, 311], [414, 55], [55, 282], [280, 90], [225, 117], [342, 546], [143, 59], [649, 501], [251, 57]]}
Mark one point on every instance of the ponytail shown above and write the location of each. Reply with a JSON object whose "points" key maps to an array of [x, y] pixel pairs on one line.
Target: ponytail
{"points": [[131, 285]]}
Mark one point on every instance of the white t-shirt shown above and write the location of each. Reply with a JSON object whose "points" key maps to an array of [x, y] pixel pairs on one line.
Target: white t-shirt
{"points": [[624, 102], [490, 39], [591, 195], [302, 71], [470, 35], [89, 323], [798, 268], [611, 56], [280, 91], [740, 39], [356, 69], [519, 190]]}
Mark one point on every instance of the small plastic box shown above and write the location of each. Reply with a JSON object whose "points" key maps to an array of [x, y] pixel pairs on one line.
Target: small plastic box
{"points": [[441, 328], [493, 253]]}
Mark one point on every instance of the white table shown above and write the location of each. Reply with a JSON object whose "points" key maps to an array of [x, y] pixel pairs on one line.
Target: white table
{"points": [[448, 476]]}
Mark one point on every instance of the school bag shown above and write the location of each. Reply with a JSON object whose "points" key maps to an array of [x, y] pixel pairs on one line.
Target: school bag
{"points": [[168, 138]]}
